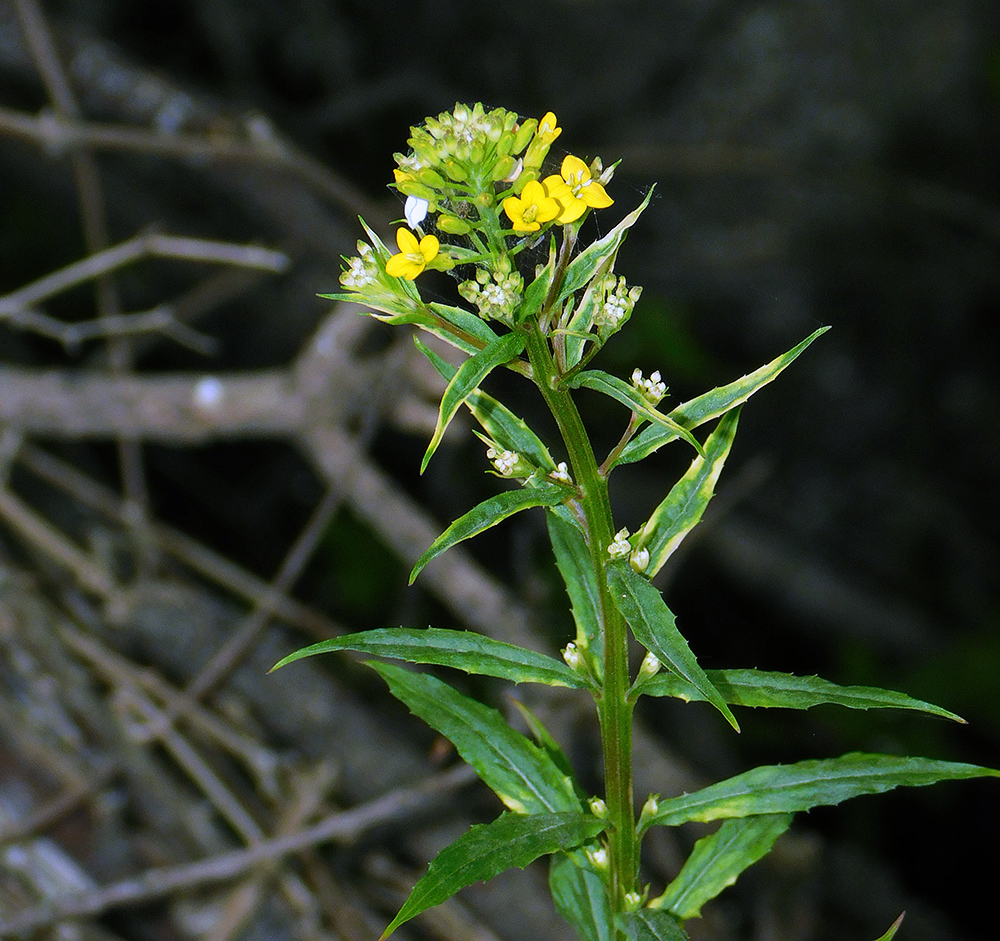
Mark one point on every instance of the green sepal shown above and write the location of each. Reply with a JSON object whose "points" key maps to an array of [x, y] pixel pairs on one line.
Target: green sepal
{"points": [[488, 513], [772, 789], [759, 689], [498, 421], [577, 570], [473, 371], [653, 625], [518, 771], [718, 860], [682, 508], [631, 397], [705, 407], [581, 897], [582, 268], [461, 650], [650, 924], [487, 849]]}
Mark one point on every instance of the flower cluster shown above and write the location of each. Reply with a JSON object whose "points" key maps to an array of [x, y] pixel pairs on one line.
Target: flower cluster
{"points": [[496, 295], [478, 192], [616, 304], [652, 389]]}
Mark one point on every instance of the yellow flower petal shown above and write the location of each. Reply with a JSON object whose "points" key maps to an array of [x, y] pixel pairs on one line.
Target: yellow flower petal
{"points": [[574, 169], [407, 241], [594, 195], [429, 247]]}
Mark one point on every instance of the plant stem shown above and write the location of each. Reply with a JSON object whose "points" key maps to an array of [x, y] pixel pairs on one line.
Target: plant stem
{"points": [[614, 710]]}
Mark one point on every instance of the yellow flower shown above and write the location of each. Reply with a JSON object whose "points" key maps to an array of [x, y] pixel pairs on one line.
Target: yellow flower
{"points": [[545, 133], [533, 207], [548, 128], [575, 190], [413, 256]]}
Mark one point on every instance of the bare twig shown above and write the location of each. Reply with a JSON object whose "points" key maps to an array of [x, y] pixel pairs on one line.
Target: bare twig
{"points": [[344, 828], [202, 560], [58, 134]]}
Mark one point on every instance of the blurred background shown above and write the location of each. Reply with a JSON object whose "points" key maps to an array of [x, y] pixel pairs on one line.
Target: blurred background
{"points": [[205, 465]]}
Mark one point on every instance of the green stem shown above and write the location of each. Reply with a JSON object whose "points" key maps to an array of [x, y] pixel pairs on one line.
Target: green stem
{"points": [[613, 707]]}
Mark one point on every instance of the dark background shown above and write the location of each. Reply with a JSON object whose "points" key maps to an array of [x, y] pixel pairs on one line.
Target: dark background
{"points": [[816, 163]]}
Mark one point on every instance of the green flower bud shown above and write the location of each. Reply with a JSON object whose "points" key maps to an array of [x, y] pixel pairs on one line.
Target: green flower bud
{"points": [[453, 225]]}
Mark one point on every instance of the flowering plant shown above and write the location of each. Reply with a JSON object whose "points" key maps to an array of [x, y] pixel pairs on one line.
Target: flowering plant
{"points": [[479, 176]]}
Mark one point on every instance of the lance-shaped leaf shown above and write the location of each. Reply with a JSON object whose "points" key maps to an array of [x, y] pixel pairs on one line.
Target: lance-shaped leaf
{"points": [[650, 924], [577, 571], [536, 291], [718, 860], [473, 371], [773, 789], [581, 898], [653, 625], [757, 688], [512, 840], [521, 774], [705, 407], [682, 508], [462, 650], [488, 513], [631, 397], [498, 421], [467, 323], [582, 268], [893, 928]]}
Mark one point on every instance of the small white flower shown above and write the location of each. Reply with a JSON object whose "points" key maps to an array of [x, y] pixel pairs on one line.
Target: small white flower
{"points": [[572, 656], [651, 806], [650, 665], [599, 857], [504, 461], [415, 210], [561, 473], [620, 547], [639, 560], [652, 389], [597, 807]]}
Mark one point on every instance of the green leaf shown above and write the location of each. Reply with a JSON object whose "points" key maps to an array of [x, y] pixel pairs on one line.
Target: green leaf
{"points": [[473, 371], [705, 407], [581, 898], [773, 789], [654, 627], [534, 294], [631, 397], [650, 924], [577, 570], [757, 688], [893, 928], [512, 840], [582, 268], [467, 322], [718, 860], [521, 774], [489, 513], [462, 650], [499, 422], [682, 508]]}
